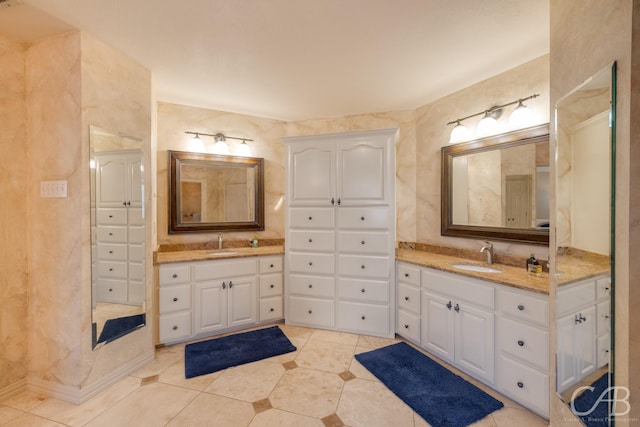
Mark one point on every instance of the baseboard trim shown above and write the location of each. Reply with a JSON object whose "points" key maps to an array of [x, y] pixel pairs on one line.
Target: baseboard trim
{"points": [[13, 389], [79, 395]]}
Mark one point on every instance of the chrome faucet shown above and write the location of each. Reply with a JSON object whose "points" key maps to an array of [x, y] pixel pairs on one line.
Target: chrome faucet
{"points": [[488, 248], [219, 240]]}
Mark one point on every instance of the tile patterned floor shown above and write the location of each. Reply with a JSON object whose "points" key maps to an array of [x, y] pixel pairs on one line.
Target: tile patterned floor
{"points": [[321, 384]]}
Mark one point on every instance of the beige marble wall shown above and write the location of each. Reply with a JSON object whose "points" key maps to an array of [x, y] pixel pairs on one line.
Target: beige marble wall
{"points": [[586, 36], [433, 133], [13, 215]]}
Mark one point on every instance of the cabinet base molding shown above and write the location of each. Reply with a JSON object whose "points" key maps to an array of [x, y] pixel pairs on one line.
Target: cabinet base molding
{"points": [[221, 332]]}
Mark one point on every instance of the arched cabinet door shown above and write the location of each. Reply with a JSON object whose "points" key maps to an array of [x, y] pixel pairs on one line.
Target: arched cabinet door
{"points": [[312, 174], [361, 173]]}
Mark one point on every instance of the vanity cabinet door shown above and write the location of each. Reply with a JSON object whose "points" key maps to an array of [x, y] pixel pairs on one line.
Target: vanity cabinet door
{"points": [[437, 326], [210, 306], [474, 345], [242, 301]]}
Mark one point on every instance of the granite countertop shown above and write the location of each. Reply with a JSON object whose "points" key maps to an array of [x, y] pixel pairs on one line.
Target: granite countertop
{"points": [[211, 254], [576, 265], [516, 277]]}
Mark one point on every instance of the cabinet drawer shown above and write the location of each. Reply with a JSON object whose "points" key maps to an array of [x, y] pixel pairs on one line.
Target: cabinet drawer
{"points": [[408, 274], [372, 218], [364, 266], [603, 285], [175, 298], [409, 298], [209, 270], [313, 286], [525, 385], [364, 290], [112, 251], [311, 240], [364, 242], [575, 296], [270, 308], [523, 306], [173, 274], [112, 216], [112, 269], [603, 318], [311, 218], [409, 326], [111, 290], [603, 346], [270, 264], [112, 234], [312, 263], [174, 326], [458, 287], [365, 318], [312, 312], [524, 342], [270, 285]]}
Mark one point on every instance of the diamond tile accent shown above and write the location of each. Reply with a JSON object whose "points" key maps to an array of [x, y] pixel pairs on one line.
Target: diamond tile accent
{"points": [[262, 405], [149, 380], [346, 376], [332, 420], [290, 365]]}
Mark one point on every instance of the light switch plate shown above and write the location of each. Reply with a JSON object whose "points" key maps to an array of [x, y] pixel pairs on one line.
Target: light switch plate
{"points": [[53, 188]]}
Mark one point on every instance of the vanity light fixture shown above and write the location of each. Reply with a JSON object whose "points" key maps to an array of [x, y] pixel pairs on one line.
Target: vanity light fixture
{"points": [[520, 118], [220, 146]]}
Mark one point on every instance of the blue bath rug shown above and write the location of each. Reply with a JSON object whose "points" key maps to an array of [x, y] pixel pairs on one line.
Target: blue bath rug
{"points": [[116, 328], [596, 415], [214, 355], [438, 395]]}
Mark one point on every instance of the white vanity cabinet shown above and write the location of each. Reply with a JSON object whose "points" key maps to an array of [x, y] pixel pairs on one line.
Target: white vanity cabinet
{"points": [[340, 232], [458, 322], [522, 344], [201, 298], [582, 328]]}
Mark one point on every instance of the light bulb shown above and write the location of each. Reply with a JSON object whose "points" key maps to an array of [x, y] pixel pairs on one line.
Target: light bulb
{"points": [[459, 133], [196, 144], [244, 149], [487, 126], [220, 147], [521, 117]]}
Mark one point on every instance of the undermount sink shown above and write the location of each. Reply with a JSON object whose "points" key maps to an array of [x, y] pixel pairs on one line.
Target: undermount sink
{"points": [[476, 268], [222, 253]]}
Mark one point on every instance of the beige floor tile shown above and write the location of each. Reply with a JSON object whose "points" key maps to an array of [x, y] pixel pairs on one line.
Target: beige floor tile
{"points": [[7, 414], [250, 382], [307, 392], [368, 403], [287, 357], [335, 337], [165, 357], [372, 343], [30, 420], [508, 417], [26, 401], [278, 418], [418, 421], [325, 356], [174, 375], [79, 415], [360, 371], [210, 410], [152, 405], [296, 331]]}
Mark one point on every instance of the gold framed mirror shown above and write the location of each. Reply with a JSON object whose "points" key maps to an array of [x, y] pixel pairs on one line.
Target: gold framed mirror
{"points": [[210, 192]]}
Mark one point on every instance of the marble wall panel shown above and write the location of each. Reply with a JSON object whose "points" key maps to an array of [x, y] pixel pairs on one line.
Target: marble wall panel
{"points": [[13, 214]]}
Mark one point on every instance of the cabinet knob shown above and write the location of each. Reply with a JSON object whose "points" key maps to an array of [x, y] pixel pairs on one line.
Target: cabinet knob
{"points": [[310, 240], [362, 290], [363, 318], [110, 216], [271, 310], [110, 234], [110, 289], [457, 308], [406, 326], [362, 267], [362, 242], [333, 201], [521, 343], [406, 298], [361, 218], [310, 311], [310, 263], [310, 218], [110, 269], [449, 305], [310, 286], [230, 284], [272, 286], [406, 274], [271, 266], [339, 201], [110, 252], [520, 307], [175, 299], [224, 285], [520, 384], [175, 328], [175, 276]]}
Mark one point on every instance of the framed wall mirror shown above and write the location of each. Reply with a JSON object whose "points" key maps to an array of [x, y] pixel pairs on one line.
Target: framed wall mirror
{"points": [[117, 234], [498, 187], [585, 242], [209, 192]]}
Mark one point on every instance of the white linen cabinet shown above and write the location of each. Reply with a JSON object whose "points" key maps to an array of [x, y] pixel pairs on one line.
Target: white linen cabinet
{"points": [[340, 231], [119, 227]]}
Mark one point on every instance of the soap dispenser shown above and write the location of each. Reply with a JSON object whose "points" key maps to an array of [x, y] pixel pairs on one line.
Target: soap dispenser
{"points": [[530, 261]]}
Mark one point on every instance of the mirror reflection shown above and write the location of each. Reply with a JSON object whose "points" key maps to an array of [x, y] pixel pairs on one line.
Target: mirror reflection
{"points": [[584, 237], [498, 187], [213, 192], [117, 234]]}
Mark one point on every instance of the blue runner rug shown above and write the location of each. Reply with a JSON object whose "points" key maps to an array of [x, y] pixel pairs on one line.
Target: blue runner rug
{"points": [[116, 328], [220, 353], [596, 411], [439, 396]]}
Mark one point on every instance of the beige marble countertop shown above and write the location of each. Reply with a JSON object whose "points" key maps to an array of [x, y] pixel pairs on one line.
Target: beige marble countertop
{"points": [[211, 254], [577, 265], [516, 277]]}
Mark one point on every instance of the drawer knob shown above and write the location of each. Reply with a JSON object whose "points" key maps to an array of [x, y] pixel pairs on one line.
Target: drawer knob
{"points": [[362, 267], [310, 240], [110, 216], [271, 266], [362, 242], [363, 318], [175, 299], [310, 218], [521, 343], [110, 252], [406, 274], [175, 276], [175, 328], [310, 286], [520, 384], [406, 326], [110, 234], [110, 289], [361, 218], [406, 298], [310, 263], [110, 269], [520, 307], [310, 311], [271, 310], [362, 290], [272, 286]]}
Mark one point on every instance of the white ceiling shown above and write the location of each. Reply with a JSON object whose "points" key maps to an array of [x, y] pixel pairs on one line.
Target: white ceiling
{"points": [[301, 59]]}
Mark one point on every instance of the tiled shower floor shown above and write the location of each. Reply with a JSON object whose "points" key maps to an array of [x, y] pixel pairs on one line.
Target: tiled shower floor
{"points": [[321, 384]]}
